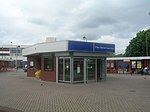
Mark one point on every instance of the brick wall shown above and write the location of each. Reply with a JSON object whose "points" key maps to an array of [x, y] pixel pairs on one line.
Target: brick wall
{"points": [[48, 75]]}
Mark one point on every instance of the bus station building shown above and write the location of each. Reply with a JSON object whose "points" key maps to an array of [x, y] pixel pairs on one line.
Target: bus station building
{"points": [[69, 61]]}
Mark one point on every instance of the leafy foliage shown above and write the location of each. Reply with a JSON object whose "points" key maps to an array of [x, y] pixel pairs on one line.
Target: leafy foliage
{"points": [[137, 46]]}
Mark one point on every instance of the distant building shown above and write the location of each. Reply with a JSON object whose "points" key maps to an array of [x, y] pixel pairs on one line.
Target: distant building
{"points": [[13, 52]]}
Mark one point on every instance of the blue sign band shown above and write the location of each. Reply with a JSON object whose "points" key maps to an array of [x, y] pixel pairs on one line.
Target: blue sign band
{"points": [[90, 47]]}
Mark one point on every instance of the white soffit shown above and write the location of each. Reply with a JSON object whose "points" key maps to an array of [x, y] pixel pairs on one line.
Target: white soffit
{"points": [[57, 46]]}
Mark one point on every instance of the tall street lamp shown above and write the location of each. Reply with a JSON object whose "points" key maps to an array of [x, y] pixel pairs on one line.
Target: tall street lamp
{"points": [[2, 52], [17, 57], [147, 49], [146, 42], [146, 45], [11, 50]]}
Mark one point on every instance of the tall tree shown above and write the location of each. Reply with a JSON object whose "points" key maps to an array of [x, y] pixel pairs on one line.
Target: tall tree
{"points": [[139, 45]]}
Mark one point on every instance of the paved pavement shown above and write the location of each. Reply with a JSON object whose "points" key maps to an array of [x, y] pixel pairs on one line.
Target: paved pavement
{"points": [[120, 93]]}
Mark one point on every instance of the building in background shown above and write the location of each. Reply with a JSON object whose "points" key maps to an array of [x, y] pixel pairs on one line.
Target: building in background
{"points": [[127, 65], [14, 53], [6, 64]]}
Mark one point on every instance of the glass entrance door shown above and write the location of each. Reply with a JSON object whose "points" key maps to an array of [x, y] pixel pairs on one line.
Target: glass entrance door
{"points": [[91, 69], [64, 69], [78, 70], [83, 69], [67, 69], [99, 69], [60, 69]]}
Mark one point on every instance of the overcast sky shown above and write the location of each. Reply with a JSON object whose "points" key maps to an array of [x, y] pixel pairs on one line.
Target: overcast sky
{"points": [[105, 21]]}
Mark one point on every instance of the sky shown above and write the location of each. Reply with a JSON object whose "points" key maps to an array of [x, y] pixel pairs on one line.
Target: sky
{"points": [[27, 22]]}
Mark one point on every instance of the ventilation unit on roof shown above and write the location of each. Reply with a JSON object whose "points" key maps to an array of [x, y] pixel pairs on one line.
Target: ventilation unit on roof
{"points": [[50, 39]]}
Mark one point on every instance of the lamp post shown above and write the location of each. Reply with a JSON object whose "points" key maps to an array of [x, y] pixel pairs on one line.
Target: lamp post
{"points": [[2, 52], [17, 57], [147, 49], [11, 50], [146, 45]]}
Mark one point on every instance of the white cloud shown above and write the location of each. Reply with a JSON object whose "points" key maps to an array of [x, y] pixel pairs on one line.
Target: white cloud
{"points": [[110, 21], [120, 43]]}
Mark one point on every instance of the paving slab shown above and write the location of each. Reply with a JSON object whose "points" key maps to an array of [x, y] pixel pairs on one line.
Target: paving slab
{"points": [[120, 93]]}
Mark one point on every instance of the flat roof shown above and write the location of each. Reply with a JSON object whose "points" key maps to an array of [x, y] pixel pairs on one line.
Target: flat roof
{"points": [[69, 45], [129, 58]]}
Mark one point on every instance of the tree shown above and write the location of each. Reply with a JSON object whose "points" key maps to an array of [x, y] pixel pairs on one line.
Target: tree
{"points": [[137, 46]]}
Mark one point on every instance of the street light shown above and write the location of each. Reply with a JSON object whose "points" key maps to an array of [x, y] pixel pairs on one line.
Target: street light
{"points": [[146, 45], [146, 42], [17, 57], [11, 50], [147, 49], [2, 52]]}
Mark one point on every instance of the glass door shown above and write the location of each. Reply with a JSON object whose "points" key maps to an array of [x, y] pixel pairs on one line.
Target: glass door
{"points": [[78, 70], [67, 69], [60, 70], [64, 69], [91, 69], [99, 69]]}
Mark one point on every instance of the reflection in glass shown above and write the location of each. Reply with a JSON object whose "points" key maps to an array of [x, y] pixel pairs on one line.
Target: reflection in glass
{"points": [[67, 69], [60, 69], [78, 69], [91, 69]]}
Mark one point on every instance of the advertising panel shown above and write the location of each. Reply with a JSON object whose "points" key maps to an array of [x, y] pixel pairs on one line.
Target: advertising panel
{"points": [[139, 64], [133, 64]]}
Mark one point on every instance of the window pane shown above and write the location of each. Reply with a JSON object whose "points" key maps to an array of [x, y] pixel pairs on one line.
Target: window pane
{"points": [[48, 63], [91, 69], [67, 69], [78, 69], [60, 69]]}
